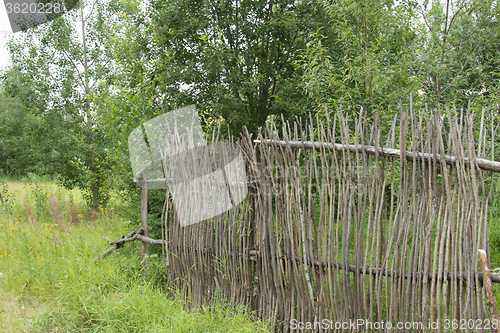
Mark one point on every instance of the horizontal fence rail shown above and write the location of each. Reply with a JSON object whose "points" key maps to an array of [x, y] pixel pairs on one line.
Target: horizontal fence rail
{"points": [[389, 152]]}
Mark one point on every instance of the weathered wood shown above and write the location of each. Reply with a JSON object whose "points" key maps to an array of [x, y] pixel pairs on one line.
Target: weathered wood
{"points": [[389, 152], [117, 244], [487, 278], [253, 255], [129, 238], [144, 213], [150, 241], [384, 225]]}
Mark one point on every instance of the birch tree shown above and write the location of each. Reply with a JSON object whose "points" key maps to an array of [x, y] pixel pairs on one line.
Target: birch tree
{"points": [[59, 68]]}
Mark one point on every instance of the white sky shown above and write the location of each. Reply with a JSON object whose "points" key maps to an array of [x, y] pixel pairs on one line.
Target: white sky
{"points": [[4, 36]]}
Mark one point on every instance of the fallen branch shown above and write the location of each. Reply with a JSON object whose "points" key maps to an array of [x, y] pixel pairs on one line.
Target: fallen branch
{"points": [[136, 234], [150, 240], [119, 243], [253, 256]]}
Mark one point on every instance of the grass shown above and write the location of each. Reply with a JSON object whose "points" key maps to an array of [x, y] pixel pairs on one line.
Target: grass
{"points": [[494, 233], [48, 239]]}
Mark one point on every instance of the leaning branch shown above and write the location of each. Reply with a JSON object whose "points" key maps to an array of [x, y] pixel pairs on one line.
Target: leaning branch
{"points": [[119, 243], [390, 152], [150, 240], [136, 234]]}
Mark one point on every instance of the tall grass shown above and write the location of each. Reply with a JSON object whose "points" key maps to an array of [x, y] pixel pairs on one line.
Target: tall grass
{"points": [[49, 282]]}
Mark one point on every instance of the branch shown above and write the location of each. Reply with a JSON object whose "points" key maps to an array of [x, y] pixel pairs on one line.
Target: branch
{"points": [[136, 234], [150, 240], [130, 238], [119, 243], [253, 256], [390, 152]]}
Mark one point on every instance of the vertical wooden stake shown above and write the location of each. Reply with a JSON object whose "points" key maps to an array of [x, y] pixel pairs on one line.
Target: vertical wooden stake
{"points": [[144, 213], [492, 303]]}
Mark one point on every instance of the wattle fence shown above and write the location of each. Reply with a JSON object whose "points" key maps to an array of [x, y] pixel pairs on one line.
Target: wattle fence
{"points": [[346, 221]]}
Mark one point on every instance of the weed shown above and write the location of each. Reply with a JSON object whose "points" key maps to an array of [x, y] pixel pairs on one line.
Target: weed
{"points": [[48, 284], [5, 197]]}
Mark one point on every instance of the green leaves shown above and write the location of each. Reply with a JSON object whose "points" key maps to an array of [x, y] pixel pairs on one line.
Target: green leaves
{"points": [[232, 59], [239, 62], [362, 59], [57, 69], [458, 62], [373, 54]]}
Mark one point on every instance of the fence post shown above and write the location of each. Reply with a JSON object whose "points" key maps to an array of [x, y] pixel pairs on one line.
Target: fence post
{"points": [[492, 303], [144, 213]]}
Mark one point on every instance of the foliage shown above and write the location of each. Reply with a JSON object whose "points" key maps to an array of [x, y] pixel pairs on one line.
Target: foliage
{"points": [[49, 282], [363, 58], [234, 59], [54, 75], [374, 54], [460, 61]]}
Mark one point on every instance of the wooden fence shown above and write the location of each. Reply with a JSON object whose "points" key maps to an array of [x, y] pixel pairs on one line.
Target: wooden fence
{"points": [[347, 220]]}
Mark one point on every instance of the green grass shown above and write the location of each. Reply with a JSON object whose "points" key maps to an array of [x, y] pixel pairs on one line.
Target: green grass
{"points": [[48, 240], [494, 233]]}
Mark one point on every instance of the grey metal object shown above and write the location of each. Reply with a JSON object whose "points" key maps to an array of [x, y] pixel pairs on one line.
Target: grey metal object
{"points": [[25, 14]]}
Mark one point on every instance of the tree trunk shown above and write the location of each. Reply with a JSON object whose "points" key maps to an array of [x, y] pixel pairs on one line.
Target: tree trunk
{"points": [[95, 189]]}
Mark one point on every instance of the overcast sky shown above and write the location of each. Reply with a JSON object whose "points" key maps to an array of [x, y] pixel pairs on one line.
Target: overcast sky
{"points": [[4, 36]]}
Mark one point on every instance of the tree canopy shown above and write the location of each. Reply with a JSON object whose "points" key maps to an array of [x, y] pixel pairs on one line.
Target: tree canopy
{"points": [[57, 69], [93, 75]]}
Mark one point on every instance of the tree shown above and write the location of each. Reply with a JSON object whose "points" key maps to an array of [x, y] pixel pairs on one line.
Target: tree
{"points": [[57, 69], [25, 144], [460, 58], [233, 59], [13, 157], [363, 58]]}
